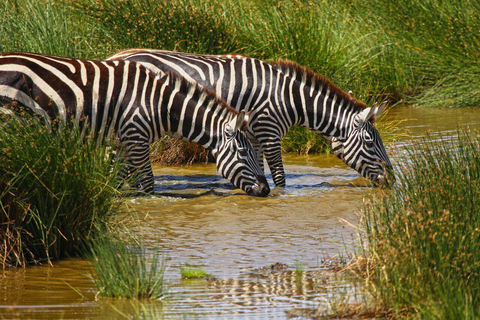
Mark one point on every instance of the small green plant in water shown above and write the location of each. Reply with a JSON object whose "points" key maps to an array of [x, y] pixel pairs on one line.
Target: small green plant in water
{"points": [[191, 272], [299, 267]]}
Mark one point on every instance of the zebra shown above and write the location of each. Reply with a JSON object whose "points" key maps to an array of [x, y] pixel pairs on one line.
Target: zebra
{"points": [[281, 95], [126, 99]]}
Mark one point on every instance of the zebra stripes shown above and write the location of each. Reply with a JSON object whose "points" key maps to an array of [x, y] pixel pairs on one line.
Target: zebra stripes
{"points": [[125, 98], [280, 96]]}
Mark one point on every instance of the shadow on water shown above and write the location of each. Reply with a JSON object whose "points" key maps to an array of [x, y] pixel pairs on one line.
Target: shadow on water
{"points": [[193, 186]]}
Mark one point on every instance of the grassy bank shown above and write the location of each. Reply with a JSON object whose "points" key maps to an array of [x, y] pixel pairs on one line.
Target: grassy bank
{"points": [[423, 237], [415, 51], [408, 49], [56, 188]]}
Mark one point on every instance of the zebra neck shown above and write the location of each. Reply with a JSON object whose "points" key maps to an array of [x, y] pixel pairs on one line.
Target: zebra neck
{"points": [[326, 111], [191, 114]]}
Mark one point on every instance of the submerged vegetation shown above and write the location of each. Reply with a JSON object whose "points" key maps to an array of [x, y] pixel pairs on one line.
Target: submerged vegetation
{"points": [[423, 237], [56, 189]]}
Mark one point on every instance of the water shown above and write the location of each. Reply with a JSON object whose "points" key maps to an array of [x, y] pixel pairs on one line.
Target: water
{"points": [[250, 246]]}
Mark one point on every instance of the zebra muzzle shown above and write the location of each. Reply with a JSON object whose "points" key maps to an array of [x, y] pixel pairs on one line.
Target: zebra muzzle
{"points": [[260, 188]]}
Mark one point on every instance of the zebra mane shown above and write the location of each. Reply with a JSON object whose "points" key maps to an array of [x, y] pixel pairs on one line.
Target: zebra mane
{"points": [[175, 80], [309, 78]]}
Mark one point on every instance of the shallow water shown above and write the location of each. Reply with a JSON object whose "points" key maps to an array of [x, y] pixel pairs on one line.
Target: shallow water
{"points": [[198, 219]]}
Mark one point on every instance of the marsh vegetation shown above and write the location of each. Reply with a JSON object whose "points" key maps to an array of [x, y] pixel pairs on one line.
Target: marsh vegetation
{"points": [[57, 191]]}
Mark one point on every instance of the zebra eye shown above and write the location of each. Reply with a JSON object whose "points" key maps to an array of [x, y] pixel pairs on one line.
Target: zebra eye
{"points": [[370, 144], [243, 152]]}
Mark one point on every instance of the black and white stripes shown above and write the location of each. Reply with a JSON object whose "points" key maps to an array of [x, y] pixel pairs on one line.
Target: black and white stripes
{"points": [[280, 96], [124, 98]]}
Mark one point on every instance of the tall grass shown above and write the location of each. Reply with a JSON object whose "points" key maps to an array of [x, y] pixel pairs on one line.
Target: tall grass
{"points": [[49, 27], [424, 236], [183, 25], [438, 42], [320, 35], [126, 269], [55, 187]]}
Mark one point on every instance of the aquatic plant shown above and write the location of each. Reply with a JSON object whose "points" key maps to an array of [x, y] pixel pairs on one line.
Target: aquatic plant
{"points": [[299, 267], [192, 272], [125, 268], [55, 187], [423, 236]]}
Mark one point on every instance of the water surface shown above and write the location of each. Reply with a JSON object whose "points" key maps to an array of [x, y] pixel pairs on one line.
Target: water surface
{"points": [[250, 246]]}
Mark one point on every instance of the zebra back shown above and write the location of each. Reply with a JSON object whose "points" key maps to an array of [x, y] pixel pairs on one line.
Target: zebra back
{"points": [[126, 98], [281, 95]]}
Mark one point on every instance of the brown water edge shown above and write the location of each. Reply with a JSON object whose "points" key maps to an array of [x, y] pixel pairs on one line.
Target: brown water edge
{"points": [[232, 236]]}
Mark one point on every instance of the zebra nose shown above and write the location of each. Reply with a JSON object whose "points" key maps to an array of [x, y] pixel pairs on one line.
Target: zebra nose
{"points": [[261, 188], [264, 189], [385, 180]]}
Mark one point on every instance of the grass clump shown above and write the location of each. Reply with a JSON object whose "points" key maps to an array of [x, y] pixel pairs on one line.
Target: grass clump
{"points": [[424, 236], [49, 27], [126, 269], [303, 141], [182, 25], [55, 189], [192, 272]]}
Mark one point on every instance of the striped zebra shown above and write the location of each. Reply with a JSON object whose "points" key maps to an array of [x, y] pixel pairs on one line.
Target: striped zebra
{"points": [[125, 98], [280, 96]]}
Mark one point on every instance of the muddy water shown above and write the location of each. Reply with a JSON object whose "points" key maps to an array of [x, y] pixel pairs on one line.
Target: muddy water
{"points": [[251, 247]]}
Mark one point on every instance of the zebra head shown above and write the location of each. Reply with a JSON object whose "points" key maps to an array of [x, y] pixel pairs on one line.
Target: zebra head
{"points": [[363, 149], [236, 159]]}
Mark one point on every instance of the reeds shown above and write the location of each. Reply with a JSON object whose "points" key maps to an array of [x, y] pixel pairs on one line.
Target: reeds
{"points": [[182, 25], [55, 186], [423, 237], [126, 269]]}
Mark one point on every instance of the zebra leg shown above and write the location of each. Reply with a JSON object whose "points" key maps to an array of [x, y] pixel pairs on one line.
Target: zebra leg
{"points": [[257, 148], [138, 167], [273, 155]]}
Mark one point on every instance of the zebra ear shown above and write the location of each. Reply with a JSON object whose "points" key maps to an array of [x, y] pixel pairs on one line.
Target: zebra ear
{"points": [[371, 113], [366, 114], [380, 108]]}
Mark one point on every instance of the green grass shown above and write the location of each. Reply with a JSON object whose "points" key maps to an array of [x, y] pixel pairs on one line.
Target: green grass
{"points": [[421, 52], [126, 269], [303, 141], [192, 272], [182, 25], [438, 44], [423, 237], [49, 27], [56, 188]]}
